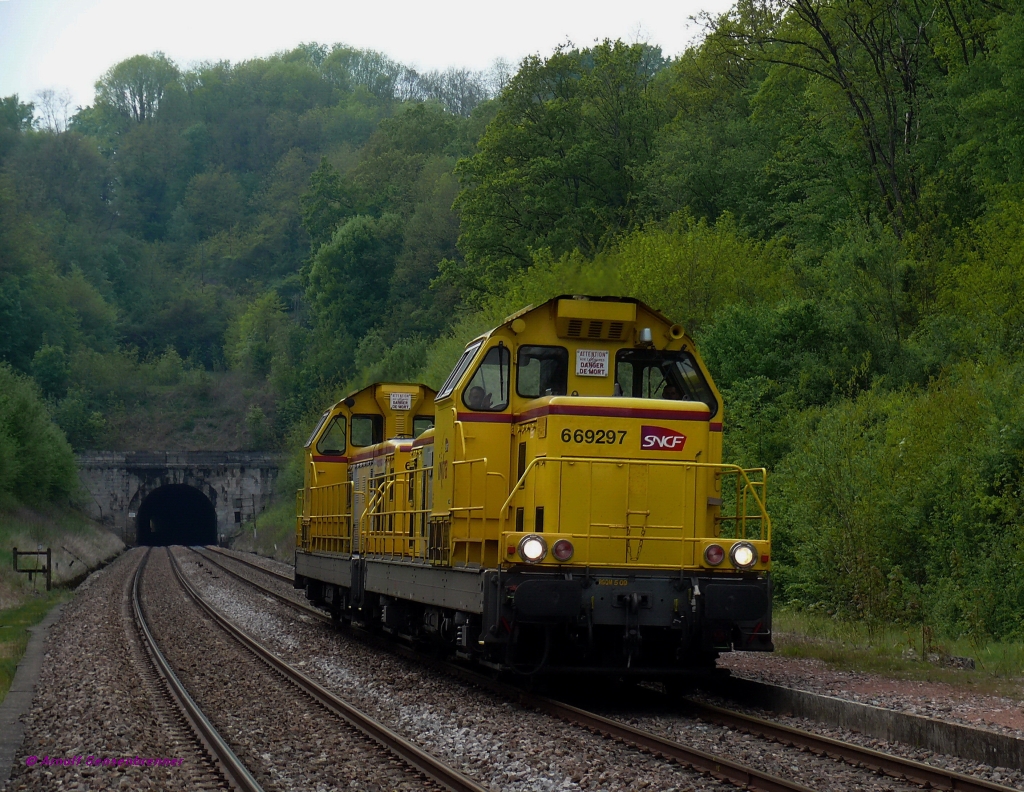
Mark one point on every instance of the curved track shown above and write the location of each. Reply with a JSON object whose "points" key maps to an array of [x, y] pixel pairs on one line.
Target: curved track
{"points": [[279, 575], [234, 772], [719, 767], [447, 777]]}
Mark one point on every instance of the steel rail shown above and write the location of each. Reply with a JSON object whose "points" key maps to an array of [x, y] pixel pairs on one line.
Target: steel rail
{"points": [[898, 767], [893, 766], [434, 769], [742, 776], [236, 773], [280, 575], [724, 769], [308, 610]]}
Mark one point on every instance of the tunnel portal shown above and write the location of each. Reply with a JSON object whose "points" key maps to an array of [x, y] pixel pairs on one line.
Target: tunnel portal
{"points": [[176, 514]]}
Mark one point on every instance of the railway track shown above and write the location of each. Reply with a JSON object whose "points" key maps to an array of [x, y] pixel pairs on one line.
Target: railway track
{"points": [[235, 773], [279, 575], [433, 769], [745, 777], [897, 767]]}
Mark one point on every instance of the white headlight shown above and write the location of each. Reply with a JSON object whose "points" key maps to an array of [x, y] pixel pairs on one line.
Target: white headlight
{"points": [[743, 555], [532, 549]]}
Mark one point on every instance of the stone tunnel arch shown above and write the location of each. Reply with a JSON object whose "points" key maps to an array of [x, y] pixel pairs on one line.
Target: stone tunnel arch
{"points": [[176, 514]]}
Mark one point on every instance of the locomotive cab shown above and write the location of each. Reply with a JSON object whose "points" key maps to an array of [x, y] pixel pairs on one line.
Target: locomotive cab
{"points": [[343, 461], [578, 451]]}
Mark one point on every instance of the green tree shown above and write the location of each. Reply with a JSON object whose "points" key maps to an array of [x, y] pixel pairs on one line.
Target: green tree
{"points": [[692, 270], [50, 370], [134, 87], [559, 166], [36, 463], [325, 205], [214, 201], [82, 425], [881, 60], [15, 119], [256, 337], [15, 115], [349, 276]]}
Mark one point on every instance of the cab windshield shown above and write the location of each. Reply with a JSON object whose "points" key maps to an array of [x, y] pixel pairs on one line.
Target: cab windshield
{"points": [[458, 371], [316, 431], [662, 374]]}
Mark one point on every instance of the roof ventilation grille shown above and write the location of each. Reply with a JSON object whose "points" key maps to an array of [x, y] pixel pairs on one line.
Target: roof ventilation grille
{"points": [[594, 330], [615, 331], [575, 328]]}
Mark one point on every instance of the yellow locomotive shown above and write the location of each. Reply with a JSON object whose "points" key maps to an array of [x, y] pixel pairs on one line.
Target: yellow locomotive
{"points": [[560, 504]]}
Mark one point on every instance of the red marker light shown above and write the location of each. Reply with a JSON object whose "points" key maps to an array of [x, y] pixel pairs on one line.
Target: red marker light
{"points": [[511, 550], [714, 554], [765, 559], [562, 550]]}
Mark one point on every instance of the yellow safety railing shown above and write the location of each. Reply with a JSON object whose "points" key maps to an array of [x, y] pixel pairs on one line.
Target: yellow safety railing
{"points": [[391, 526], [469, 512], [325, 518], [664, 544], [395, 523]]}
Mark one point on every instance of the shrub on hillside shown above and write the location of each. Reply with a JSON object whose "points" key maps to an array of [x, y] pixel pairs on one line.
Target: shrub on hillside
{"points": [[905, 506], [36, 462]]}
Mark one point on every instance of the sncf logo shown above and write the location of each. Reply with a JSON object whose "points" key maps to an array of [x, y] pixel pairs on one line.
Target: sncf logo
{"points": [[658, 438]]}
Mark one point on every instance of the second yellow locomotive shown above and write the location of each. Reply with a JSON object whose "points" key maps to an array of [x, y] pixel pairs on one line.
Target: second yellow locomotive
{"points": [[560, 504]]}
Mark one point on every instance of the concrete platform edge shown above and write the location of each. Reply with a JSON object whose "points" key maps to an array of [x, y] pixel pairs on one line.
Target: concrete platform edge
{"points": [[979, 745], [19, 698]]}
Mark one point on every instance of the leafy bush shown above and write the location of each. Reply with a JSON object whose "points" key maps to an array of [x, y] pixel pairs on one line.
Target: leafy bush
{"points": [[82, 426], [690, 270], [36, 462], [50, 370], [905, 506], [168, 369]]}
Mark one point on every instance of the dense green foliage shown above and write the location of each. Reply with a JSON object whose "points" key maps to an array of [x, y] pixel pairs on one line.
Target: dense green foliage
{"points": [[36, 463], [828, 195], [173, 231]]}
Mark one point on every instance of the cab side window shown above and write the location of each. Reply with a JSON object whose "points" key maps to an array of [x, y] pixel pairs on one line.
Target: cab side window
{"points": [[332, 441], [421, 423], [367, 430], [488, 389], [542, 371]]}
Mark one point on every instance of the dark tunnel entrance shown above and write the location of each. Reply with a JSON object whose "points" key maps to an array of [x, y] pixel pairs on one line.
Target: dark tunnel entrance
{"points": [[176, 514]]}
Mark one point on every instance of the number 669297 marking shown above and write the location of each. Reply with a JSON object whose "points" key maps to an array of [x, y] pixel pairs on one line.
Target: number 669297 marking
{"points": [[594, 436]]}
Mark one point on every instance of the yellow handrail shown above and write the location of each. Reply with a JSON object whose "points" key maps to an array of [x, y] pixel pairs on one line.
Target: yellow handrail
{"points": [[745, 488], [325, 522]]}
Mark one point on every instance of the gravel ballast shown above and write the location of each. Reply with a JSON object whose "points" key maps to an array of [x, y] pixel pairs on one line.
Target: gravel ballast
{"points": [[412, 699], [287, 740], [97, 698], [495, 742]]}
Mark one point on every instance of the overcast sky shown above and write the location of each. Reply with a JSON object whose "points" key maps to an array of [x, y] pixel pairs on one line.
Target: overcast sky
{"points": [[68, 44]]}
